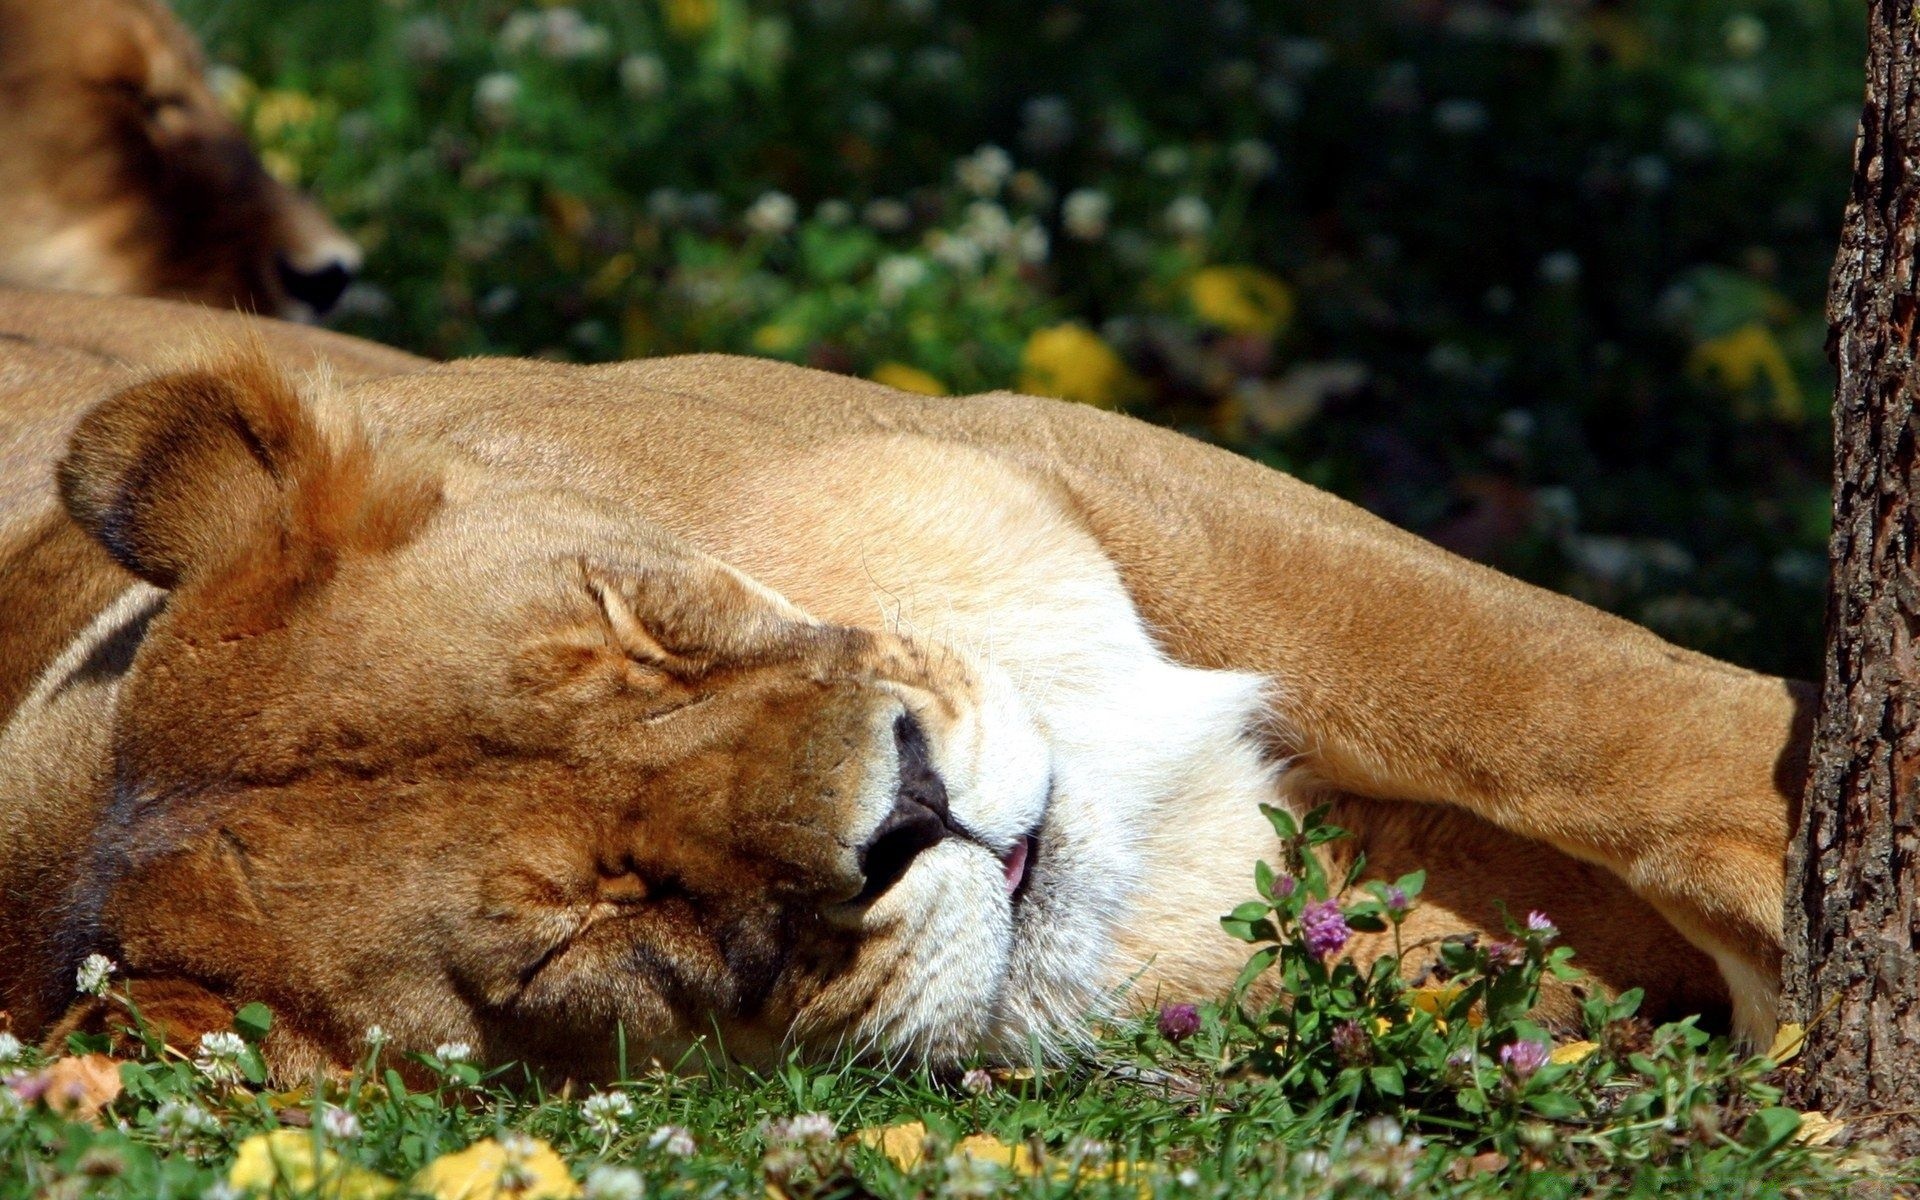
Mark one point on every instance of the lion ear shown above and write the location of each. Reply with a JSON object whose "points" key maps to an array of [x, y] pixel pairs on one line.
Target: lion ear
{"points": [[175, 472], [186, 471]]}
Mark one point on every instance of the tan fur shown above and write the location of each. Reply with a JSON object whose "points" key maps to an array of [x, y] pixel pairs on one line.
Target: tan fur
{"points": [[120, 173], [595, 694]]}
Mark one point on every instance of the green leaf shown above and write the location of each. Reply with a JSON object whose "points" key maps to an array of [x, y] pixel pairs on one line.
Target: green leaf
{"points": [[253, 1021], [1557, 1105], [1388, 1081], [1263, 877], [1411, 883], [1252, 910], [89, 1043], [1770, 1128], [1238, 930], [1282, 822]]}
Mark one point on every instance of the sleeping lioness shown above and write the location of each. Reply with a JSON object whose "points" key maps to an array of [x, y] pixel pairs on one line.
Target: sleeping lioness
{"points": [[513, 703], [120, 173]]}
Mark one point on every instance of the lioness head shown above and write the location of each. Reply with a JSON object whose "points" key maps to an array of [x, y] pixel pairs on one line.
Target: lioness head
{"points": [[119, 172], [412, 745]]}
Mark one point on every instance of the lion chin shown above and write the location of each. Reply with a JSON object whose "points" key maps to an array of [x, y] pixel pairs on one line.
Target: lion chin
{"points": [[713, 702]]}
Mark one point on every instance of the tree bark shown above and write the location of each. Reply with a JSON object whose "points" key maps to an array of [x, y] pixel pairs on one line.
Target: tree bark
{"points": [[1853, 910]]}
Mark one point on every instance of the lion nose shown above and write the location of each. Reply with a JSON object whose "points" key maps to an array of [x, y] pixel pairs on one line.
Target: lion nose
{"points": [[317, 285], [919, 818]]}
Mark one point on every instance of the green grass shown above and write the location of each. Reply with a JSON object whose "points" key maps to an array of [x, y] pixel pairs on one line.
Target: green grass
{"points": [[1201, 1133], [1353, 1084]]}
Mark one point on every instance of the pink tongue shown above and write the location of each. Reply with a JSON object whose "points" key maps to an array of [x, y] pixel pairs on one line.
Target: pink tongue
{"points": [[1015, 864]]}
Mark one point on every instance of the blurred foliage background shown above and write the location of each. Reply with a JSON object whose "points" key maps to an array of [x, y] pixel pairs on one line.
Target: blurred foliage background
{"points": [[1540, 279]]}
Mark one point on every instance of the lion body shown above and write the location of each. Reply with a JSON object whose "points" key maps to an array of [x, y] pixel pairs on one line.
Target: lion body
{"points": [[1193, 635]]}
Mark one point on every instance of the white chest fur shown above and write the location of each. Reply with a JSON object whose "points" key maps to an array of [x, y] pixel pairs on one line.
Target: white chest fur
{"points": [[1154, 824]]}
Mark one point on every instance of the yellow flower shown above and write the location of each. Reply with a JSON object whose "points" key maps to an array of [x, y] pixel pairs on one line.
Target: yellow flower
{"points": [[1572, 1052], [278, 111], [1740, 359], [1071, 362], [284, 1162], [908, 379], [614, 272], [906, 1146], [1241, 300], [281, 166], [515, 1168], [776, 338], [1437, 998], [690, 18]]}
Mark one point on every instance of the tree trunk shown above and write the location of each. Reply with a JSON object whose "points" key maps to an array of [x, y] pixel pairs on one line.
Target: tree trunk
{"points": [[1853, 909]]}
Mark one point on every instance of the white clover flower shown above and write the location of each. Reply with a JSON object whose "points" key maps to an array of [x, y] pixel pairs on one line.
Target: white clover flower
{"points": [[1746, 35], [340, 1124], [1689, 136], [1650, 173], [1189, 216], [219, 1058], [559, 33], [177, 1120], [95, 973], [1460, 116], [897, 274], [1085, 213], [426, 40], [873, 63], [1312, 1163], [833, 212], [988, 225], [803, 1129], [938, 64], [976, 1082], [1031, 189], [519, 1145], [673, 1140], [772, 215], [1169, 161], [967, 1176], [1046, 124], [958, 251], [1383, 1131], [518, 32], [666, 205], [614, 1183], [454, 1052], [1187, 1178], [887, 215], [643, 76], [1541, 27], [375, 1036], [984, 171], [1088, 1150], [871, 118], [220, 1189], [11, 1050], [495, 97], [1253, 158], [1303, 56], [605, 1110], [1030, 241], [1560, 268]]}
